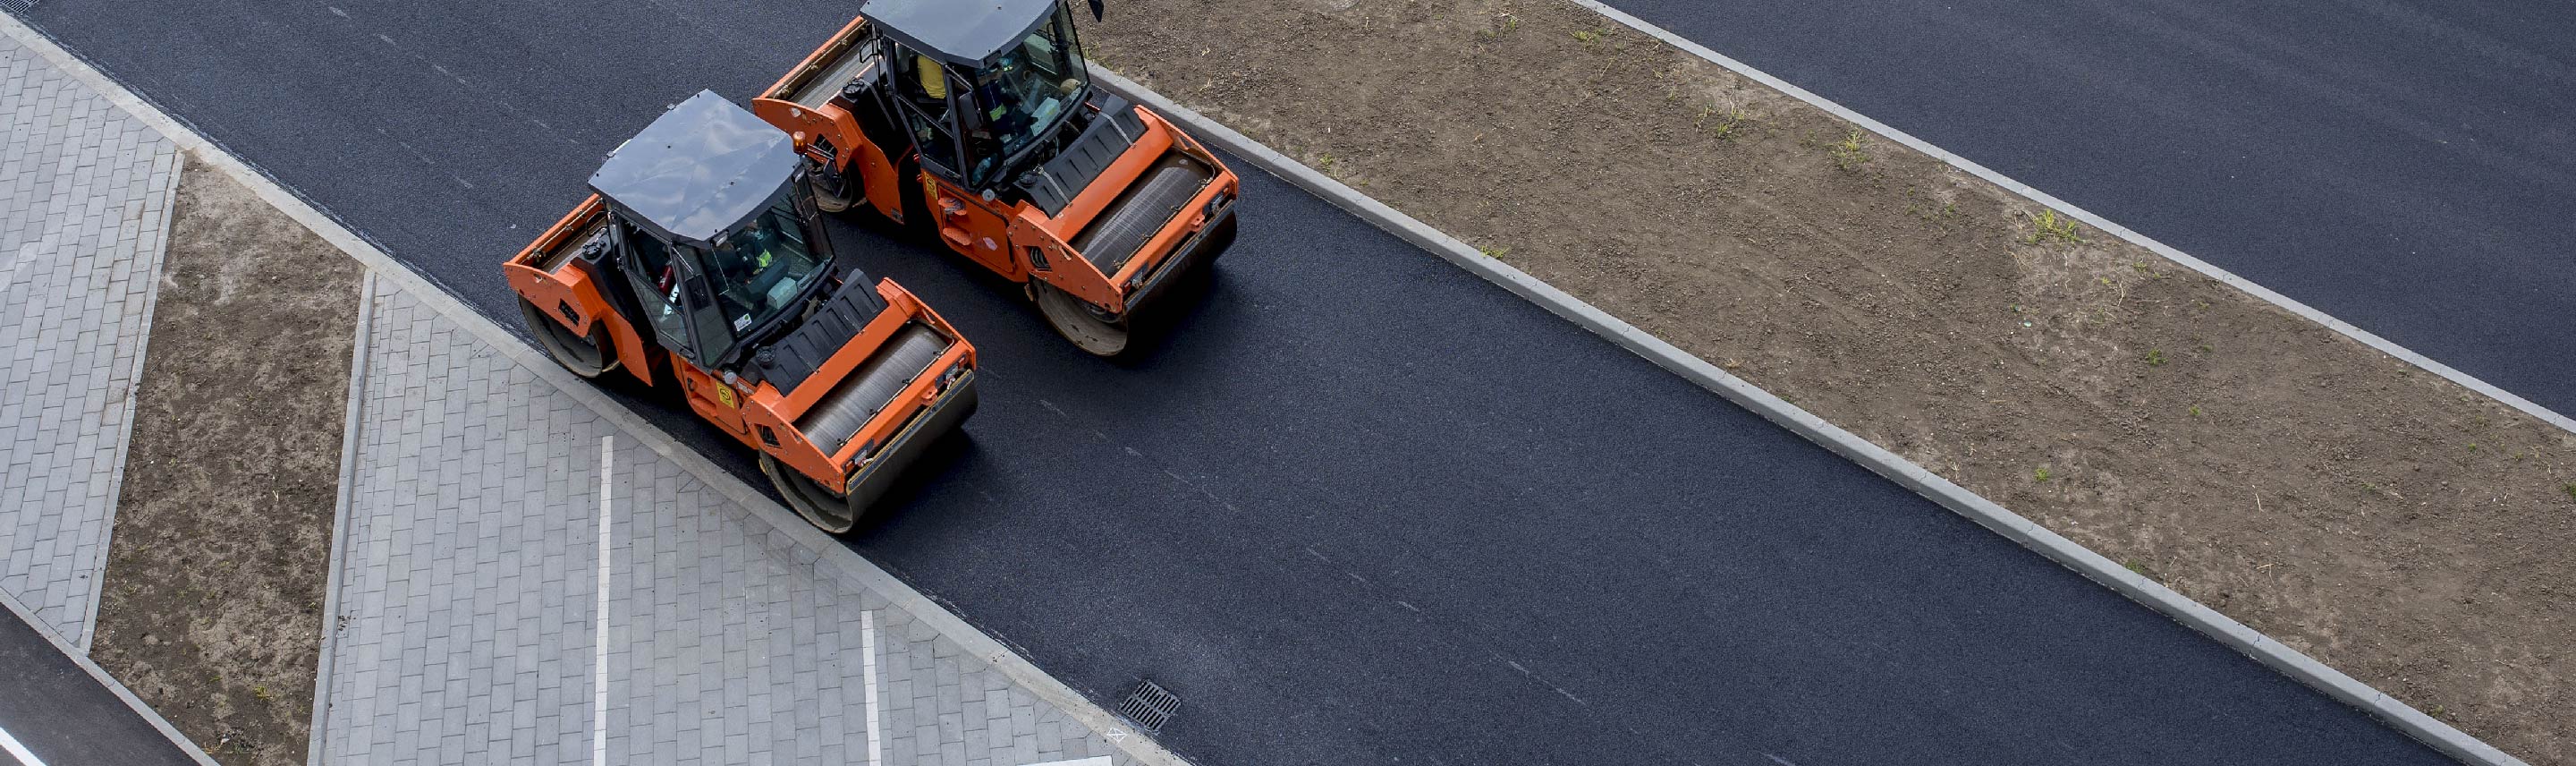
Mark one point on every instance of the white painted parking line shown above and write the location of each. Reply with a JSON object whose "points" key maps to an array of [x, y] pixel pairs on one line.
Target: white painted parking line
{"points": [[10, 745], [599, 610], [868, 675]]}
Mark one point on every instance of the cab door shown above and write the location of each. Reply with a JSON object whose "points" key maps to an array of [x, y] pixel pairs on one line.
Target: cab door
{"points": [[936, 102], [675, 298]]}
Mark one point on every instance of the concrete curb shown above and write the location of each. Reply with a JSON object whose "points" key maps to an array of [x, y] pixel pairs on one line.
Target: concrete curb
{"points": [[351, 411], [383, 269], [81, 658], [1986, 513], [2206, 268]]}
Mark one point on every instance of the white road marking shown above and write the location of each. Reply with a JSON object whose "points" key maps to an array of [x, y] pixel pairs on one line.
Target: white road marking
{"points": [[1097, 760], [868, 674], [599, 611], [10, 745]]}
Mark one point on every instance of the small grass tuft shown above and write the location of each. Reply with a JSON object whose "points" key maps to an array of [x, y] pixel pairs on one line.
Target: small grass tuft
{"points": [[1851, 152], [1587, 36], [1729, 126], [2048, 225], [1492, 251], [2155, 357], [2571, 490], [2041, 474], [2195, 410]]}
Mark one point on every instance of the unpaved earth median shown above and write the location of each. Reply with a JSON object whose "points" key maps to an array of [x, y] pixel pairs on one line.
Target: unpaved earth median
{"points": [[2387, 522], [212, 605]]}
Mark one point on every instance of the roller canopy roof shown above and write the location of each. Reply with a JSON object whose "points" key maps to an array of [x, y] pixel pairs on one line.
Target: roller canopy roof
{"points": [[701, 169], [959, 32]]}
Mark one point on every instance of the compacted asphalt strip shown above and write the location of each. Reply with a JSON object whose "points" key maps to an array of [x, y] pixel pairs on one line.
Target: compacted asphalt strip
{"points": [[58, 713], [1360, 506], [2405, 167]]}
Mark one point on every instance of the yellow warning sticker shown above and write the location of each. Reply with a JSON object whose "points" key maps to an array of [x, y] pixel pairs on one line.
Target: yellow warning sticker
{"points": [[725, 394]]}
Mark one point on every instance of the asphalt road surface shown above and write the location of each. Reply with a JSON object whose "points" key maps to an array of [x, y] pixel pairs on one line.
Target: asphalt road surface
{"points": [[1358, 507], [2405, 166], [61, 715]]}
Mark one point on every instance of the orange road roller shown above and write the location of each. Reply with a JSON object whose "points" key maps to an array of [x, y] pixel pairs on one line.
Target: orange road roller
{"points": [[700, 261], [979, 121]]}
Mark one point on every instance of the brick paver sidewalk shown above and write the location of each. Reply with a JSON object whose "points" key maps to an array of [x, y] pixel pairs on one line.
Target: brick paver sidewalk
{"points": [[466, 625], [84, 202]]}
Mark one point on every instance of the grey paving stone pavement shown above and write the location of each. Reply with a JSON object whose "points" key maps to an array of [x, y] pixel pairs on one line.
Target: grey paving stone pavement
{"points": [[466, 619], [85, 193]]}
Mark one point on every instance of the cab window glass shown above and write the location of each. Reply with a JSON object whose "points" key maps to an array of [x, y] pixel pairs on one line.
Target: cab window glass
{"points": [[659, 284], [923, 88], [761, 268]]}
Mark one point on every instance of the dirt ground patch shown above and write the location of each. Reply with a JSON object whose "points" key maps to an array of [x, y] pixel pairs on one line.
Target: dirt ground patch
{"points": [[2387, 522], [212, 605]]}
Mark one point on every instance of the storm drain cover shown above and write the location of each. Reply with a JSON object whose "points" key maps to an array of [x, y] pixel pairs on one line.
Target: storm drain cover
{"points": [[1149, 706], [20, 6]]}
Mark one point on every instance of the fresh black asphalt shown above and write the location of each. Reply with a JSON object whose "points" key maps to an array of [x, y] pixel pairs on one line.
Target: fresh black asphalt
{"points": [[62, 715], [2404, 166], [1358, 507]]}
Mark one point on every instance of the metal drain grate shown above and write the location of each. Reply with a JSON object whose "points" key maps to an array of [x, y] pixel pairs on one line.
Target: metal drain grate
{"points": [[1149, 706], [21, 6]]}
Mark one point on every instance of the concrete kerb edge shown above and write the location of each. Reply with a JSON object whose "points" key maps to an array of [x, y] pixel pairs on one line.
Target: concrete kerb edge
{"points": [[134, 381], [383, 267], [82, 659], [351, 412], [2025, 191], [1984, 512]]}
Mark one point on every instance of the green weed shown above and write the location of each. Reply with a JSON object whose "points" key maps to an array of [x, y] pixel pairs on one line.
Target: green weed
{"points": [[2571, 490], [1729, 126], [1851, 152], [2155, 357], [2039, 475], [1587, 36], [2051, 226]]}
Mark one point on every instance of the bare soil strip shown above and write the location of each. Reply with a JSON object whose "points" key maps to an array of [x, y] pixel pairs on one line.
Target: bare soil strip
{"points": [[2385, 521], [212, 606]]}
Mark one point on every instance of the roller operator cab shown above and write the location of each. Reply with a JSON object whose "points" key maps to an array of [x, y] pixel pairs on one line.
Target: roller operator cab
{"points": [[978, 121], [699, 263]]}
